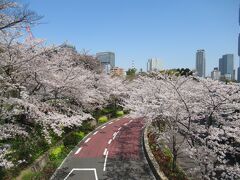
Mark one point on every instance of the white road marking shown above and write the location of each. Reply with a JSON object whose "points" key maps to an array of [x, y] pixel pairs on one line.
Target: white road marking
{"points": [[105, 151], [95, 133], [130, 121], [109, 142], [78, 150], [83, 169], [105, 162], [110, 123], [119, 128], [103, 127], [125, 124], [115, 134], [88, 139]]}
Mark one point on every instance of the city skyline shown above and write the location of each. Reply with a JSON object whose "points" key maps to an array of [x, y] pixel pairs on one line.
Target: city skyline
{"points": [[170, 31], [154, 64]]}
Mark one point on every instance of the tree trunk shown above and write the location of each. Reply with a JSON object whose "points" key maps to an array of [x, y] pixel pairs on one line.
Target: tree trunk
{"points": [[174, 163]]}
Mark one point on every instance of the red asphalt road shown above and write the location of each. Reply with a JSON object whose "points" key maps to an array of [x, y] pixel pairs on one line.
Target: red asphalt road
{"points": [[126, 143]]}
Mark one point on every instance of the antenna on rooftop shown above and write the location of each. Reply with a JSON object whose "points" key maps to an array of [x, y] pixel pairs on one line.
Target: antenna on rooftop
{"points": [[133, 65]]}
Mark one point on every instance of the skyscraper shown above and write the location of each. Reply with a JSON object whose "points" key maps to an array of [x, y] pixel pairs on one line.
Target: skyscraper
{"points": [[107, 60], [201, 63], [238, 76], [226, 65], [154, 64], [238, 73]]}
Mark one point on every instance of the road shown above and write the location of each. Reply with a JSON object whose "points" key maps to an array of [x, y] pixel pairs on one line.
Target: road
{"points": [[112, 151]]}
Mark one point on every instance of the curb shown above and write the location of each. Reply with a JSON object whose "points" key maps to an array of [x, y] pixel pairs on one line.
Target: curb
{"points": [[159, 175]]}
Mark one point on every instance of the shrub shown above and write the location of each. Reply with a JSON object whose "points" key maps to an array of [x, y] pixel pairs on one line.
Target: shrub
{"points": [[167, 152], [57, 152], [106, 110], [103, 119], [2, 172], [86, 127], [80, 135], [119, 113], [73, 138]]}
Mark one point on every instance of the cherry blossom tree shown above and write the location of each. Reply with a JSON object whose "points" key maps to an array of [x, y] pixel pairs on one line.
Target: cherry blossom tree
{"points": [[204, 113]]}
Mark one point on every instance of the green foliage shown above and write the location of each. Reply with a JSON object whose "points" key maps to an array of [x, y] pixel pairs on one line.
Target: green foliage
{"points": [[28, 149], [54, 138], [102, 112], [178, 72], [119, 113], [131, 72], [111, 111], [131, 75], [30, 175], [102, 119], [86, 127], [2, 172], [73, 138], [167, 152], [57, 152], [80, 135], [106, 110], [164, 158], [49, 169]]}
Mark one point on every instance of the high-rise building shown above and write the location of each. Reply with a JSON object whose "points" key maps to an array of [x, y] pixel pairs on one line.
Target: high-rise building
{"points": [[238, 76], [107, 60], [154, 64], [234, 75], [226, 65], [201, 63], [215, 74]]}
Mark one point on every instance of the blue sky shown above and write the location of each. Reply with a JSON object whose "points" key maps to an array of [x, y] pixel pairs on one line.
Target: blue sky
{"points": [[171, 30]]}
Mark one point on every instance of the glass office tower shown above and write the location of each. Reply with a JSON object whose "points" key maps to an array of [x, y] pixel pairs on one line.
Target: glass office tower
{"points": [[201, 63]]}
